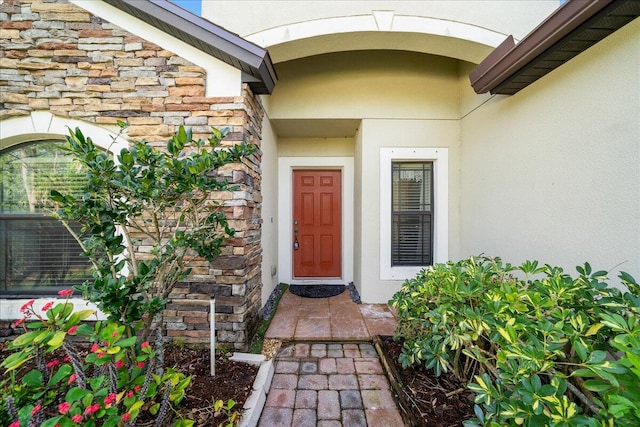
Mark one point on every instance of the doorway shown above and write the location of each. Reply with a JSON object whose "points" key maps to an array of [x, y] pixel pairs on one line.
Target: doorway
{"points": [[317, 224]]}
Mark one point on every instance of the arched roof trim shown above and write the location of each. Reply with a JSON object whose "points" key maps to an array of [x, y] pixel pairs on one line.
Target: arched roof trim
{"points": [[42, 125], [381, 22]]}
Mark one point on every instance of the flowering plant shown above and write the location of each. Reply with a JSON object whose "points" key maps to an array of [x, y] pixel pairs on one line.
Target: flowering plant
{"points": [[111, 384]]}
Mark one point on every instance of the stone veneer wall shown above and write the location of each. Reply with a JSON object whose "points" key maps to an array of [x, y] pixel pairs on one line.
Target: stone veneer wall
{"points": [[59, 58]]}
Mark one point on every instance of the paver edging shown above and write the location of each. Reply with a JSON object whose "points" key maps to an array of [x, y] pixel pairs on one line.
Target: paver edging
{"points": [[254, 405], [396, 384]]}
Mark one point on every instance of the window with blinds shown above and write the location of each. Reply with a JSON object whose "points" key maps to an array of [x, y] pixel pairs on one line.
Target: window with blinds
{"points": [[412, 213], [38, 254]]}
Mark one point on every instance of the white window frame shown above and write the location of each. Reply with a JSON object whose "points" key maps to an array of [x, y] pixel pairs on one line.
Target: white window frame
{"points": [[440, 159], [44, 125]]}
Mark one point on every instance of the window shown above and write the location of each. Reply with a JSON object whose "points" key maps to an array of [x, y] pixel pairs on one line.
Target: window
{"points": [[38, 254], [414, 210], [412, 214]]}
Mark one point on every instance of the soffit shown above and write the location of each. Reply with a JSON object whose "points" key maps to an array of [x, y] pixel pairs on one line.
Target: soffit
{"points": [[572, 29], [252, 60], [316, 128]]}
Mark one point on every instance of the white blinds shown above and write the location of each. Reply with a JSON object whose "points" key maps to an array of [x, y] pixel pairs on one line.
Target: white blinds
{"points": [[412, 213]]}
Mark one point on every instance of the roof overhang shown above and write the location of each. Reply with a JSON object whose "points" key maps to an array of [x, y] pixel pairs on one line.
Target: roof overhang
{"points": [[253, 61], [570, 30]]}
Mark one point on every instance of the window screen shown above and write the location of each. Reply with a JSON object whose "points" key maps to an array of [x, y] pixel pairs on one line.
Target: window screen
{"points": [[38, 254], [412, 214]]}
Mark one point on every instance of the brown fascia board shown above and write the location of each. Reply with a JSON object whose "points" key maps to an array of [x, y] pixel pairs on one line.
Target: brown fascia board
{"points": [[495, 69], [254, 61]]}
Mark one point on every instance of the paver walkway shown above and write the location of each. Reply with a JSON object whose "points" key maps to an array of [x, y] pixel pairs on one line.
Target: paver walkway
{"points": [[328, 374], [329, 385]]}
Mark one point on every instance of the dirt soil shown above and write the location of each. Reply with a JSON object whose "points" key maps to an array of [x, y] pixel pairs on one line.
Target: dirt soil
{"points": [[233, 380], [434, 401]]}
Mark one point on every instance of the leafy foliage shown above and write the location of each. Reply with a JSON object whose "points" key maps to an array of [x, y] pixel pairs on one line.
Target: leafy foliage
{"points": [[145, 217], [537, 346], [111, 385]]}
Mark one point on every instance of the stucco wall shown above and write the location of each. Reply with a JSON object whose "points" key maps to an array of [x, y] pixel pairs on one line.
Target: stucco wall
{"points": [[318, 147], [249, 17], [374, 84], [269, 235], [460, 29], [551, 173], [404, 100], [399, 133]]}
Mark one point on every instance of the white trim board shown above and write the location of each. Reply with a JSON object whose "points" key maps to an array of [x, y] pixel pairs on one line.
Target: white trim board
{"points": [[286, 165]]}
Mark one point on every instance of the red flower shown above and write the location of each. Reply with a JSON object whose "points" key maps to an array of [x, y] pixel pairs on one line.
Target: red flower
{"points": [[53, 363], [26, 305], [110, 399], [115, 334], [66, 359], [47, 306], [72, 330], [130, 393], [92, 409], [15, 424], [36, 409], [126, 417], [18, 322], [57, 425], [94, 348], [119, 364], [76, 418], [140, 365], [144, 344], [64, 407], [72, 378], [137, 388], [65, 292]]}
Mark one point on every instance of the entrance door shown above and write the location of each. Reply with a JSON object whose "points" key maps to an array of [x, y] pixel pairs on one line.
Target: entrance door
{"points": [[317, 223]]}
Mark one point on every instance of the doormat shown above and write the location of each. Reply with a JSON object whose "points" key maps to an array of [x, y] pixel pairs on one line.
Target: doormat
{"points": [[316, 291]]}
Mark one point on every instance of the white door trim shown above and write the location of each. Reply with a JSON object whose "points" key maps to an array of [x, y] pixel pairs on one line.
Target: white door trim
{"points": [[286, 165]]}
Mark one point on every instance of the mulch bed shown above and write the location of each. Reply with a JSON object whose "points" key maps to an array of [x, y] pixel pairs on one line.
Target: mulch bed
{"points": [[233, 380], [425, 400]]}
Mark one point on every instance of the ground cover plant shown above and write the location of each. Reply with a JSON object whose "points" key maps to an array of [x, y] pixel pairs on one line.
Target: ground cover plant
{"points": [[536, 345]]}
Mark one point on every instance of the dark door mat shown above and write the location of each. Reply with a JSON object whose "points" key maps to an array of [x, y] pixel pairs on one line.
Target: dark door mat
{"points": [[316, 291]]}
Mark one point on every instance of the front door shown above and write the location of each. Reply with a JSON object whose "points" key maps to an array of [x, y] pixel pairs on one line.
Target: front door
{"points": [[317, 224]]}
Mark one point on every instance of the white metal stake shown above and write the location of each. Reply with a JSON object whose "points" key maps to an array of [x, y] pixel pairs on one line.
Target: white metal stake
{"points": [[212, 323]]}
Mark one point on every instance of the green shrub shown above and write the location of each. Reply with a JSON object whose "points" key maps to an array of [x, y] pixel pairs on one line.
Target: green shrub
{"points": [[537, 346], [160, 200]]}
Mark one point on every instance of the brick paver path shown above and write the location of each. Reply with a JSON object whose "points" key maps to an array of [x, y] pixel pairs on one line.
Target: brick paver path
{"points": [[329, 384]]}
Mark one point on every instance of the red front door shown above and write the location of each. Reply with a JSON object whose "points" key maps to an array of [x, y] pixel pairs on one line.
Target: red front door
{"points": [[317, 225]]}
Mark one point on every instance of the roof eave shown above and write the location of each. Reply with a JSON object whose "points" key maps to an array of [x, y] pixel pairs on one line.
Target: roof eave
{"points": [[204, 35], [504, 63]]}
